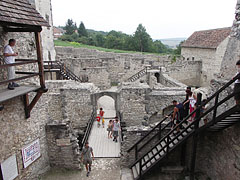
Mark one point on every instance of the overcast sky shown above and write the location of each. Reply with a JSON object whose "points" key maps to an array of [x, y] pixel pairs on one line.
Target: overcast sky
{"points": [[162, 18]]}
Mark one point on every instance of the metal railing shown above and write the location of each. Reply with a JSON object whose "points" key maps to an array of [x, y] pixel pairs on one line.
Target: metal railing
{"points": [[88, 129], [188, 131]]}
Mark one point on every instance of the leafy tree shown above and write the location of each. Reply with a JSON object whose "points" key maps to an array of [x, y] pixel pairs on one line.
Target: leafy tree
{"points": [[142, 39], [70, 27], [82, 30], [100, 40]]}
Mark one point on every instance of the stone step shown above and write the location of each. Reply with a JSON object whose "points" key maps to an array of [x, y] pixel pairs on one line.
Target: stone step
{"points": [[172, 169]]}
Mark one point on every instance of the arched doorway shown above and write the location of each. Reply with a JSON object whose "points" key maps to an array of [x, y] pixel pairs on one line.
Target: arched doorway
{"points": [[108, 105], [157, 75]]}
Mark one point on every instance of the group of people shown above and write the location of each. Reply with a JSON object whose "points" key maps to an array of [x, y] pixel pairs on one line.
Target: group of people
{"points": [[182, 110], [113, 127]]}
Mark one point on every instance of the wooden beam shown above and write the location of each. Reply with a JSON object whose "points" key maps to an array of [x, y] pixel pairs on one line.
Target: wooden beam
{"points": [[195, 138], [18, 64], [18, 79], [36, 28], [40, 59], [26, 104], [25, 29]]}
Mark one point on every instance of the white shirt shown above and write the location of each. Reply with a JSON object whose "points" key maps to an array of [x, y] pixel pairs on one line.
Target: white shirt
{"points": [[237, 81], [192, 101], [10, 59], [116, 126]]}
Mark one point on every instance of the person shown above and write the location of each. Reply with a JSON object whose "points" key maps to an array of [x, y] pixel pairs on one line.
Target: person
{"points": [[237, 85], [101, 112], [186, 105], [109, 129], [9, 58], [116, 129], [178, 113], [203, 109], [87, 157], [98, 120], [192, 101]]}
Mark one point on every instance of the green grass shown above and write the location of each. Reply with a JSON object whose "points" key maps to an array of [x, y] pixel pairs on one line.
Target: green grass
{"points": [[79, 45]]}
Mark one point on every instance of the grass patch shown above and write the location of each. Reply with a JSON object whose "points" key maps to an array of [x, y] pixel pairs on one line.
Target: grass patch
{"points": [[79, 45]]}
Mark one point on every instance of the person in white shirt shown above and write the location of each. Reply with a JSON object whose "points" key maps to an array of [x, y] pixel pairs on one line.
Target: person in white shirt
{"points": [[237, 85], [9, 58]]}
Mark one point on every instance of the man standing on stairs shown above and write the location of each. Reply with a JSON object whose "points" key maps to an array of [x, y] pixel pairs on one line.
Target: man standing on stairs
{"points": [[9, 58], [237, 85], [87, 157], [178, 113]]}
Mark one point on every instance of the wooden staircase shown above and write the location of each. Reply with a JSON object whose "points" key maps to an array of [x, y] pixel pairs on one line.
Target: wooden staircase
{"points": [[138, 75], [166, 144], [59, 67]]}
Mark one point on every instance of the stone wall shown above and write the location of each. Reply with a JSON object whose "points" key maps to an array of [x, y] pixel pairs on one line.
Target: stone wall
{"points": [[44, 7], [209, 64], [133, 102], [103, 68], [17, 132], [63, 146], [185, 71]]}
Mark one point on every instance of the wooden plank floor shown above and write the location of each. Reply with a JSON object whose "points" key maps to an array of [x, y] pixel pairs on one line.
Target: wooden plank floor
{"points": [[6, 94], [102, 146]]}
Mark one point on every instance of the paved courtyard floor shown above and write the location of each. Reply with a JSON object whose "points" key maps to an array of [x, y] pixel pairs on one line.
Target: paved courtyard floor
{"points": [[102, 169]]}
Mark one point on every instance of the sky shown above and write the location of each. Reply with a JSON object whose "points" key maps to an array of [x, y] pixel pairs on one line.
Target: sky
{"points": [[162, 18]]}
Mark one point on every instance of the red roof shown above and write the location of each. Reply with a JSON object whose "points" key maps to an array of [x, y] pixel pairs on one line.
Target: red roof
{"points": [[209, 39], [20, 12]]}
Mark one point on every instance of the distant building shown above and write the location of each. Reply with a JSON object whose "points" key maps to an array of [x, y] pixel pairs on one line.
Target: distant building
{"points": [[209, 47], [58, 32]]}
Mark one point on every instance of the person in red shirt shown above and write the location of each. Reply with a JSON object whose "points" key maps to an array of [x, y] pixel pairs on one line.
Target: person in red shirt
{"points": [[98, 120], [101, 112]]}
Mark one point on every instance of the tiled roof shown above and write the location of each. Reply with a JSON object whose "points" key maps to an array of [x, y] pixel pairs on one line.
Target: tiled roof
{"points": [[210, 39], [20, 12]]}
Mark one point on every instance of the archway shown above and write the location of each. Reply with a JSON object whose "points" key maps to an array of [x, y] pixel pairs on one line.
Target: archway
{"points": [[157, 75], [108, 105]]}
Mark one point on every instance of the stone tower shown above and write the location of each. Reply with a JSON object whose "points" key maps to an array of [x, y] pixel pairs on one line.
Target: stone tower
{"points": [[44, 7], [232, 54]]}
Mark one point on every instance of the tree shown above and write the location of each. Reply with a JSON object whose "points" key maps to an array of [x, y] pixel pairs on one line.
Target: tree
{"points": [[82, 30], [70, 27], [179, 49], [142, 39], [100, 40]]}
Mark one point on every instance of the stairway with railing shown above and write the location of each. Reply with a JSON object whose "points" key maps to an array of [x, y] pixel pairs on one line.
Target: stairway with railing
{"points": [[165, 144], [138, 75], [59, 67]]}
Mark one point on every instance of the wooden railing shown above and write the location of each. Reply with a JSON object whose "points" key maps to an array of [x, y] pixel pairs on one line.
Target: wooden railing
{"points": [[61, 67], [27, 75]]}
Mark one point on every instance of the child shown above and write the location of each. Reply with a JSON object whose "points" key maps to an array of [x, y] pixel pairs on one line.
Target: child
{"points": [[101, 112], [98, 120], [109, 129], [237, 85], [103, 122]]}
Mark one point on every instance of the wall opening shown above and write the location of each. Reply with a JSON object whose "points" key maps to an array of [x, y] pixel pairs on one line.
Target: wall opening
{"points": [[108, 105], [157, 75]]}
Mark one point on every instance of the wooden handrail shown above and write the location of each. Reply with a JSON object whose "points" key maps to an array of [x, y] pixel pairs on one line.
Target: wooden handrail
{"points": [[18, 79], [18, 63]]}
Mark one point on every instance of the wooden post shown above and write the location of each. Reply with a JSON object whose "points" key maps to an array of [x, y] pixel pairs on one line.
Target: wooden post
{"points": [[26, 104], [136, 152], [195, 138], [40, 59], [183, 154], [160, 131]]}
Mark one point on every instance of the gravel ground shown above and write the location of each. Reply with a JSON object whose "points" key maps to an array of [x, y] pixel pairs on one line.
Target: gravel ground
{"points": [[102, 169]]}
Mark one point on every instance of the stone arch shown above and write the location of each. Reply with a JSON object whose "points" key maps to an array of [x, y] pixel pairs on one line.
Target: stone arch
{"points": [[114, 95]]}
